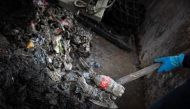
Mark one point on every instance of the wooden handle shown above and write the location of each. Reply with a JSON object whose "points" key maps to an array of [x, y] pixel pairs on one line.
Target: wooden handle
{"points": [[138, 74]]}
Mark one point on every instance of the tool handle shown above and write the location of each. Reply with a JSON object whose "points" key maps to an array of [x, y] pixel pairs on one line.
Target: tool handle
{"points": [[138, 74]]}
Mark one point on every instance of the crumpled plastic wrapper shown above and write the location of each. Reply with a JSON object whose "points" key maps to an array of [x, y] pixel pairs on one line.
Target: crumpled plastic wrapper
{"points": [[109, 85]]}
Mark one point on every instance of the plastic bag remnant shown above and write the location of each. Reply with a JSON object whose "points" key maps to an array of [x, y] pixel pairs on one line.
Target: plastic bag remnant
{"points": [[58, 47], [108, 84]]}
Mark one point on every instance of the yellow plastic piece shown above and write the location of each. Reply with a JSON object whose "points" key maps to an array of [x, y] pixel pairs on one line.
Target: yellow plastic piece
{"points": [[30, 44]]}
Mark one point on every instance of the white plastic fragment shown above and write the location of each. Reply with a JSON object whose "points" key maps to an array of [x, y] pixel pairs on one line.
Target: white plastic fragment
{"points": [[109, 85], [58, 44]]}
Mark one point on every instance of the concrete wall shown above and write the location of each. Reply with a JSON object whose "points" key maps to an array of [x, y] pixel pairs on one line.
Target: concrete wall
{"points": [[166, 30]]}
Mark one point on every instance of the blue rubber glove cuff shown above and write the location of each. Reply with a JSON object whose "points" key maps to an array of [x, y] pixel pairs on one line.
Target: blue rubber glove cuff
{"points": [[177, 61], [169, 63]]}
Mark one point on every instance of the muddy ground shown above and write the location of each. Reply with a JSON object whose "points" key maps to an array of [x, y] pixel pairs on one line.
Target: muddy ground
{"points": [[165, 32]]}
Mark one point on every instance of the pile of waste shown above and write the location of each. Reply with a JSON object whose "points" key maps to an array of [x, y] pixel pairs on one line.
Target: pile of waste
{"points": [[44, 65]]}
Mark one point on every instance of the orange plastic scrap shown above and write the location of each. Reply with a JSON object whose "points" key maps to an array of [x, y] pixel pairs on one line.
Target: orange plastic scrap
{"points": [[30, 44]]}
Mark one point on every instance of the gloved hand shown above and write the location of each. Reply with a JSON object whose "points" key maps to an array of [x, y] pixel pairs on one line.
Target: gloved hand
{"points": [[169, 63]]}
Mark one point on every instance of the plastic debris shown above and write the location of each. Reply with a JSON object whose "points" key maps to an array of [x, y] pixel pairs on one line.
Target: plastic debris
{"points": [[66, 23], [30, 44], [58, 44], [108, 84], [40, 3], [38, 39], [40, 56], [58, 31], [97, 96], [33, 26]]}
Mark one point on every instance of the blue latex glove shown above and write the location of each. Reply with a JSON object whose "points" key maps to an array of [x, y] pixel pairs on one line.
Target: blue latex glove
{"points": [[169, 63]]}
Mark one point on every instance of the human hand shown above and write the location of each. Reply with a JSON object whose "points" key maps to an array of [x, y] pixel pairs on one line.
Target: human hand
{"points": [[169, 63]]}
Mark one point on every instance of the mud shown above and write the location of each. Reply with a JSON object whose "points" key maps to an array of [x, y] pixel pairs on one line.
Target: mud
{"points": [[164, 33], [26, 85], [29, 78]]}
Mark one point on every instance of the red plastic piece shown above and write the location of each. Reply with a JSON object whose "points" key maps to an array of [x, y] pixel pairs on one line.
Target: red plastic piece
{"points": [[105, 82]]}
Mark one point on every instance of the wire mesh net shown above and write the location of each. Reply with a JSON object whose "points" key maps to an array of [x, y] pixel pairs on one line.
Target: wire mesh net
{"points": [[124, 17]]}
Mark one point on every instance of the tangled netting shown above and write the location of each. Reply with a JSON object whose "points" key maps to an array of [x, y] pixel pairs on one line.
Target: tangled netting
{"points": [[125, 16]]}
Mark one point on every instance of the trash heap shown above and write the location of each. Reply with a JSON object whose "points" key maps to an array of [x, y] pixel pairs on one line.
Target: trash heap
{"points": [[48, 65]]}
